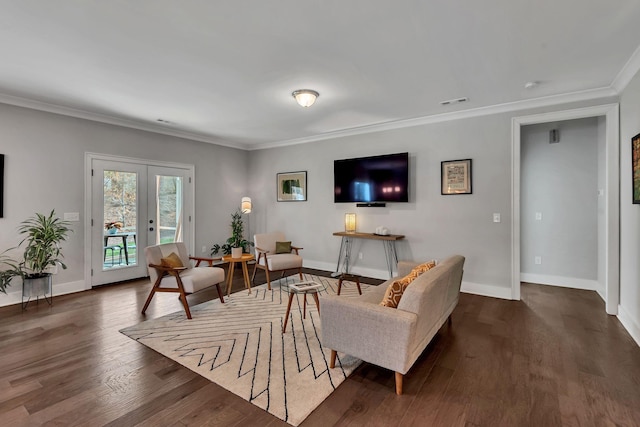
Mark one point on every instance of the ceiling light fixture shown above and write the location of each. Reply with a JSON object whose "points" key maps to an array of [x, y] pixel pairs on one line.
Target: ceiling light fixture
{"points": [[305, 97]]}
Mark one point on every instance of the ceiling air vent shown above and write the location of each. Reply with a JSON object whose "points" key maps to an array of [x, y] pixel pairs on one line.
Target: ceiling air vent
{"points": [[454, 101]]}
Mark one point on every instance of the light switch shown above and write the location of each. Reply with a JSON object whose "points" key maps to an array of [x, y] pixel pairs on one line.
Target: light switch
{"points": [[538, 216], [72, 216], [496, 217]]}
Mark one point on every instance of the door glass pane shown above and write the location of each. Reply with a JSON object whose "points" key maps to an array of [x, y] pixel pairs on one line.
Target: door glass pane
{"points": [[120, 219], [169, 208]]}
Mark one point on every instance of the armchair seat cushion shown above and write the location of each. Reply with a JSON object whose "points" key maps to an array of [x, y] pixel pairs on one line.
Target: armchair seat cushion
{"points": [[283, 261], [195, 279]]}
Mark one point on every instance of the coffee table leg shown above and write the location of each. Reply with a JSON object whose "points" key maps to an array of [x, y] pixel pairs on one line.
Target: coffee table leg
{"points": [[286, 317], [315, 297]]}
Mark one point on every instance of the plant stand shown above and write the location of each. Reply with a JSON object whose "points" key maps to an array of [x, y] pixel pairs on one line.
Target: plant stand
{"points": [[36, 287]]}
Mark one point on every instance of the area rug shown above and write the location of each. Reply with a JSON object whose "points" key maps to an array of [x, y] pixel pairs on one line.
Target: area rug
{"points": [[240, 346]]}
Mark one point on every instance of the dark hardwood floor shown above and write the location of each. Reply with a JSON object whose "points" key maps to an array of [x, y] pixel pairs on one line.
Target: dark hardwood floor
{"points": [[555, 358]]}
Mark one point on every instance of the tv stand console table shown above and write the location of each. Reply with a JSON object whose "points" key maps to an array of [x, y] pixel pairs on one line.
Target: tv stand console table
{"points": [[389, 242]]}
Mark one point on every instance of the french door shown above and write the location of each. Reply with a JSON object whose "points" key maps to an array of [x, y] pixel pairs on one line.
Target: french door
{"points": [[134, 205]]}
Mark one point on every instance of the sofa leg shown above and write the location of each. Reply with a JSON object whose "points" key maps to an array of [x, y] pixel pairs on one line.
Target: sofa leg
{"points": [[449, 320], [399, 377], [332, 359]]}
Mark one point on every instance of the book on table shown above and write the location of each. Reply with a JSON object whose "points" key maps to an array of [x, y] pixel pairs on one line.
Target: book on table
{"points": [[305, 286]]}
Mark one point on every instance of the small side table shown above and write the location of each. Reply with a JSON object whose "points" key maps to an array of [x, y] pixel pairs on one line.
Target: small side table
{"points": [[232, 266], [349, 278], [313, 290]]}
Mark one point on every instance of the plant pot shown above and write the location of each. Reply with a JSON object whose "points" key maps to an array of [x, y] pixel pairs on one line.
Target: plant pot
{"points": [[36, 287], [112, 231], [236, 252]]}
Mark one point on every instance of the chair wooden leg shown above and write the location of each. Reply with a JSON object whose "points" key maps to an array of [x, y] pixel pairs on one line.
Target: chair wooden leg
{"points": [[300, 273], [399, 378], [219, 293], [151, 294], [183, 297], [268, 278], [332, 359]]}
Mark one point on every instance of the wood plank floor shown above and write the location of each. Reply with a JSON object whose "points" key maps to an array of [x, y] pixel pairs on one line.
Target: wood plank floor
{"points": [[553, 359]]}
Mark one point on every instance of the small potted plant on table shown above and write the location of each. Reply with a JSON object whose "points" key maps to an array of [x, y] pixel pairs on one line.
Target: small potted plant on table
{"points": [[236, 244]]}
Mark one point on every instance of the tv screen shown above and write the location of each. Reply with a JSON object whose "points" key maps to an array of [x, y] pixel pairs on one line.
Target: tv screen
{"points": [[372, 179]]}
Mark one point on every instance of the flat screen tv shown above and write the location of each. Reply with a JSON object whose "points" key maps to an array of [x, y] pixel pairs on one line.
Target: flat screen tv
{"points": [[372, 179]]}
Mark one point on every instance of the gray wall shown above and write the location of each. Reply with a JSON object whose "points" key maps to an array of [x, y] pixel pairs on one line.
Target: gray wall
{"points": [[435, 225], [560, 182], [44, 170], [629, 213]]}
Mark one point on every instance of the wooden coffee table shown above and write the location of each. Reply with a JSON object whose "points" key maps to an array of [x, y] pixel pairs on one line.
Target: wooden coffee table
{"points": [[232, 266]]}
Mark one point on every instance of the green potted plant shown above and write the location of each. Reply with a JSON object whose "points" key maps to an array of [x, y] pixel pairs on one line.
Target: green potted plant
{"points": [[236, 244], [42, 237]]}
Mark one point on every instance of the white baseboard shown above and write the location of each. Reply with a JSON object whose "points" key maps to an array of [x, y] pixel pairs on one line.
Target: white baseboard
{"points": [[561, 281], [15, 297], [486, 290], [629, 324]]}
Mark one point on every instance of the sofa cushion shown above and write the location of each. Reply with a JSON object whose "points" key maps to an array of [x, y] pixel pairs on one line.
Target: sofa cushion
{"points": [[396, 289], [172, 261]]}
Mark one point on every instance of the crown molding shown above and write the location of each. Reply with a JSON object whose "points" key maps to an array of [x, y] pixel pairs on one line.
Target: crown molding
{"points": [[103, 118], [627, 73], [546, 101]]}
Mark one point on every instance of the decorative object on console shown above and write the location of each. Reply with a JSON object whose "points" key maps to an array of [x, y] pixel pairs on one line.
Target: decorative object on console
{"points": [[292, 186], [382, 231], [456, 177], [350, 222], [635, 167], [305, 97]]}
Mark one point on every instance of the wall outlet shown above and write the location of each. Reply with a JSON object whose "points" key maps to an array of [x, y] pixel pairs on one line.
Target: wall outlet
{"points": [[496, 217], [204, 249], [538, 260], [538, 216], [360, 255]]}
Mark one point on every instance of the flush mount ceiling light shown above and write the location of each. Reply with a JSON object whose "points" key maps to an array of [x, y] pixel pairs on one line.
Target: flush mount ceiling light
{"points": [[305, 97]]}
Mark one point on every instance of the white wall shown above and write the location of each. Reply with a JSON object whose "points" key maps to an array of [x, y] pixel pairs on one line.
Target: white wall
{"points": [[44, 170], [559, 181], [629, 309]]}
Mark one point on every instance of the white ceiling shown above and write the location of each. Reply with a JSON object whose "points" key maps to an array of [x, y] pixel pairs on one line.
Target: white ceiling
{"points": [[223, 71]]}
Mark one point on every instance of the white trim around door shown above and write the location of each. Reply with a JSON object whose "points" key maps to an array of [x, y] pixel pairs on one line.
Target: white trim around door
{"points": [[612, 194]]}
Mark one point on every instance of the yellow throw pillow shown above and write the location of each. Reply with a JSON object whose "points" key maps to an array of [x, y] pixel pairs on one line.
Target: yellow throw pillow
{"points": [[397, 287], [172, 261], [419, 269], [394, 293], [283, 247]]}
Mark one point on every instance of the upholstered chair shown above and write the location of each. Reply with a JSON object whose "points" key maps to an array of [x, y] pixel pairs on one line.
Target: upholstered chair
{"points": [[275, 253], [170, 270]]}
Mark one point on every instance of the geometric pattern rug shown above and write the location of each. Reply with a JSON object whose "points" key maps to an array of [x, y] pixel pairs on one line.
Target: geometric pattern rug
{"points": [[240, 346]]}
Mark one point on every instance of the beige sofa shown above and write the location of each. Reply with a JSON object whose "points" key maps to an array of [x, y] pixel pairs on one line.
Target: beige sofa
{"points": [[393, 337]]}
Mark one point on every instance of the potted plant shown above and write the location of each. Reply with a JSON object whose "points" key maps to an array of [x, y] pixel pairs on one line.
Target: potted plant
{"points": [[42, 237], [113, 227], [236, 244]]}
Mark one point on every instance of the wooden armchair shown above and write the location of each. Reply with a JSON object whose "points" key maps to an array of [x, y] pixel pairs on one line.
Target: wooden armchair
{"points": [[272, 257], [170, 270]]}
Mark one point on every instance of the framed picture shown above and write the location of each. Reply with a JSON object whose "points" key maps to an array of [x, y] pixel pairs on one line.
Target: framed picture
{"points": [[456, 177], [635, 167], [292, 186]]}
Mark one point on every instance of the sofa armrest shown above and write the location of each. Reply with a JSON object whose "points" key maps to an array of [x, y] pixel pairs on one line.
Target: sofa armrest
{"points": [[368, 331]]}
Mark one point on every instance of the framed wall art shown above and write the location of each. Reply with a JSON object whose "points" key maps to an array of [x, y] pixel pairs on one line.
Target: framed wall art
{"points": [[292, 186], [635, 167], [456, 177]]}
